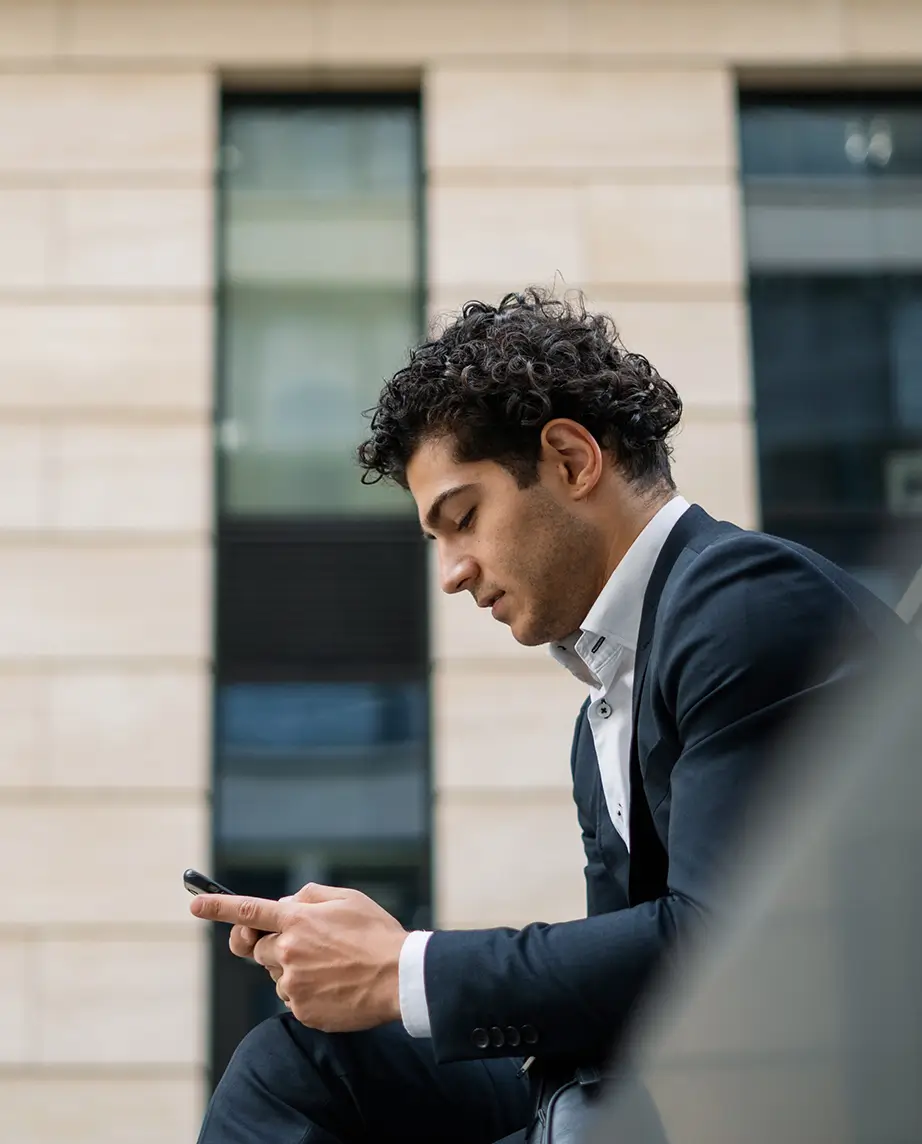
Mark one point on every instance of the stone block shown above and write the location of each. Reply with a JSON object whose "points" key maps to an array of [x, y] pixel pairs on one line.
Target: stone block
{"points": [[103, 1109], [112, 863], [16, 997], [29, 29], [670, 236], [498, 727], [503, 237], [22, 463], [25, 240], [776, 31], [209, 31], [136, 239], [120, 1002], [22, 720], [107, 357], [412, 32], [75, 123], [131, 478], [134, 727], [508, 859], [579, 119], [112, 600]]}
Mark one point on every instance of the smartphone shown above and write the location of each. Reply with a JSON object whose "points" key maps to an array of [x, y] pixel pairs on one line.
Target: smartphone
{"points": [[197, 883]]}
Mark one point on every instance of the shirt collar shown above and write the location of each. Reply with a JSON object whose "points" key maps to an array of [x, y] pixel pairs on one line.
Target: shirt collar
{"points": [[613, 623]]}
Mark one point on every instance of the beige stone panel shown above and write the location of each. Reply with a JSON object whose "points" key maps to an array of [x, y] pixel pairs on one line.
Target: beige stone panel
{"points": [[139, 239], [504, 728], [72, 123], [134, 478], [21, 728], [25, 240], [213, 31], [16, 1001], [674, 235], [101, 864], [507, 859], [699, 345], [100, 599], [28, 29], [883, 30], [102, 1110], [22, 454], [618, 119], [504, 237], [120, 1002], [115, 356], [714, 465], [128, 728], [738, 30], [411, 32]]}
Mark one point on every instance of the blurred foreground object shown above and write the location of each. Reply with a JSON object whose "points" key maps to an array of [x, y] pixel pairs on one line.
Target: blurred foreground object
{"points": [[806, 1024]]}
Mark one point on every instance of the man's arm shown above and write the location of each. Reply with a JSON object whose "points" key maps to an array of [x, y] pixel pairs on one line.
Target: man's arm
{"points": [[747, 619]]}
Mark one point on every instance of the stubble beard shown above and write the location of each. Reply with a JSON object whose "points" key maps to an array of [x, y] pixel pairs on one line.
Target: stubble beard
{"points": [[559, 575]]}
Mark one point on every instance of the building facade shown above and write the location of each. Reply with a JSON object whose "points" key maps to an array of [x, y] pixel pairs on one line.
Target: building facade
{"points": [[593, 144]]}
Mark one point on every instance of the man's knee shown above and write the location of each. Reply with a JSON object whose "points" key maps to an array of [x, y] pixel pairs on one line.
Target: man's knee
{"points": [[277, 1048]]}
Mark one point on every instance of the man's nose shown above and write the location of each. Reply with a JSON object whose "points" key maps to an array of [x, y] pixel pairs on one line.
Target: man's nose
{"points": [[456, 572]]}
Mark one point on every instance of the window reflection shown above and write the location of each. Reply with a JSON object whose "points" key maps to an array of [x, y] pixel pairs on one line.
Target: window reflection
{"points": [[834, 238], [322, 294]]}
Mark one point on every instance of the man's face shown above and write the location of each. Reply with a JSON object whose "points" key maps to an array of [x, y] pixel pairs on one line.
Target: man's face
{"points": [[525, 553]]}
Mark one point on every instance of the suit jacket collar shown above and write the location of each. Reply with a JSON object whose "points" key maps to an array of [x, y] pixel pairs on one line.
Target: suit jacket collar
{"points": [[694, 525]]}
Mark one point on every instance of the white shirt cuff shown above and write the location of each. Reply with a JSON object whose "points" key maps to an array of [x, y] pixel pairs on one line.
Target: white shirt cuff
{"points": [[414, 1009]]}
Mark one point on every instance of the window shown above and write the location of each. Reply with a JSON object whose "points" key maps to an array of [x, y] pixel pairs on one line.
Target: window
{"points": [[833, 203], [321, 697]]}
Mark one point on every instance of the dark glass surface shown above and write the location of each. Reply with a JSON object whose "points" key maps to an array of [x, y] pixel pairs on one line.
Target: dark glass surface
{"points": [[835, 290], [846, 137], [321, 723]]}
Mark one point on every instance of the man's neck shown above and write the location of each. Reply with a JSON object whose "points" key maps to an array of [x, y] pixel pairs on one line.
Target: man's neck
{"points": [[635, 513]]}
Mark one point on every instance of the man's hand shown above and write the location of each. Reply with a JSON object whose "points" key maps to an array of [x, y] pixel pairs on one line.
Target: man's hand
{"points": [[333, 953]]}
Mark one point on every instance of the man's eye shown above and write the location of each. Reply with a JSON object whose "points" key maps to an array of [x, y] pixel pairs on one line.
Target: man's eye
{"points": [[465, 521]]}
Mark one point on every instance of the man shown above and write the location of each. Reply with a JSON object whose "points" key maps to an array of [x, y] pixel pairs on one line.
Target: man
{"points": [[536, 450]]}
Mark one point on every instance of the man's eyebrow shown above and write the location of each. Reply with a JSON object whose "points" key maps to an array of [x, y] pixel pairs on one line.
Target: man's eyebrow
{"points": [[435, 509]]}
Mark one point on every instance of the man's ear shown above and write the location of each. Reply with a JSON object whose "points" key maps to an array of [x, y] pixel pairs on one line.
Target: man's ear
{"points": [[573, 456]]}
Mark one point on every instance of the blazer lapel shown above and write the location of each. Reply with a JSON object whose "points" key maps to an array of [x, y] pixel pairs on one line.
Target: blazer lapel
{"points": [[690, 525]]}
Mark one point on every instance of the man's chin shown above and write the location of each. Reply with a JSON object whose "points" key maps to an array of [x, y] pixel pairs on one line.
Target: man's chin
{"points": [[526, 636]]}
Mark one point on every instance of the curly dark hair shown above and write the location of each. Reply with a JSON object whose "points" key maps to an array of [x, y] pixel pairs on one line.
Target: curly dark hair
{"points": [[498, 374]]}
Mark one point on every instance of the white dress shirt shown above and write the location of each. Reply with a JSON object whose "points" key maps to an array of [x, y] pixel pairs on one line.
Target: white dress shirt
{"points": [[601, 654]]}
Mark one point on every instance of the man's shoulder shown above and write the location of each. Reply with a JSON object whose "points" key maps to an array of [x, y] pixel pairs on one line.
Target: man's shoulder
{"points": [[732, 578]]}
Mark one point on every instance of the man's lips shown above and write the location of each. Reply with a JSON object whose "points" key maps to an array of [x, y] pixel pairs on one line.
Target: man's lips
{"points": [[491, 601]]}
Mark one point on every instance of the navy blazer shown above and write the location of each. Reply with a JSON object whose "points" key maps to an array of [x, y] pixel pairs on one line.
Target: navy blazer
{"points": [[740, 632]]}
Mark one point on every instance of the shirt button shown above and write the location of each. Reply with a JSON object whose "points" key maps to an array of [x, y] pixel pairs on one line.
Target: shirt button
{"points": [[604, 709], [620, 813]]}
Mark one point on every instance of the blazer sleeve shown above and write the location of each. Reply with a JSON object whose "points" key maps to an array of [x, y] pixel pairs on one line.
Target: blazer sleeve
{"points": [[746, 617]]}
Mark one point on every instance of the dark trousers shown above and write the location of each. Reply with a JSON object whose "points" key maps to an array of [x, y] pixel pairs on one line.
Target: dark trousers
{"points": [[290, 1085]]}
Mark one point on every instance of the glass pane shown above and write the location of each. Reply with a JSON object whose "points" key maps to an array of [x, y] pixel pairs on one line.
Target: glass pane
{"points": [[835, 257], [322, 298], [847, 140], [323, 782]]}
